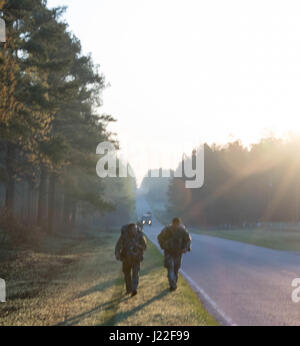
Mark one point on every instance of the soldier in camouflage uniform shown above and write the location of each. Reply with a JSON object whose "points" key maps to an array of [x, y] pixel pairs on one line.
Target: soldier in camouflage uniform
{"points": [[175, 240], [130, 249]]}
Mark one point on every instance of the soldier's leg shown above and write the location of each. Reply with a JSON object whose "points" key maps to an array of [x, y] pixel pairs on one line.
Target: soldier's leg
{"points": [[169, 261], [135, 277], [177, 265], [127, 276]]}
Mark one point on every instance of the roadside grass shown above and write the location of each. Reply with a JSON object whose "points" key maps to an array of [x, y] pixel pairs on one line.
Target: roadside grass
{"points": [[79, 282], [284, 237], [156, 305], [63, 282], [277, 236]]}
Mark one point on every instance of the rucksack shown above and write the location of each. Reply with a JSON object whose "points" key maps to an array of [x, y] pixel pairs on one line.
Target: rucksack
{"points": [[174, 240], [130, 251]]}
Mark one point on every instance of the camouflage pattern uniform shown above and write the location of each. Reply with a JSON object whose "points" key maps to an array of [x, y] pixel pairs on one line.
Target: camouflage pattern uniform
{"points": [[175, 241], [129, 249]]}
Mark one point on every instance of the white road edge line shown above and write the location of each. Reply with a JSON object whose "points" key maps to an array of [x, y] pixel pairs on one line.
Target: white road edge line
{"points": [[199, 290], [196, 288]]}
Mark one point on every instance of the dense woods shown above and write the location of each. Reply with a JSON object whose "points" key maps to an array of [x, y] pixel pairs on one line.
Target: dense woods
{"points": [[50, 94], [50, 126], [243, 185]]}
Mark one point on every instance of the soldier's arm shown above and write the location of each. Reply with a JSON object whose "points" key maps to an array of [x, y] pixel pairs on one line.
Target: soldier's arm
{"points": [[188, 241], [118, 249], [161, 237], [142, 242]]}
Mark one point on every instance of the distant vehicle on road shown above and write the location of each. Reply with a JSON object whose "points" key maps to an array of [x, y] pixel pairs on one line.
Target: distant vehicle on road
{"points": [[147, 219]]}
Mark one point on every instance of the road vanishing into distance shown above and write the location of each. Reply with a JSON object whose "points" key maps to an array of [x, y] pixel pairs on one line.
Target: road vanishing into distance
{"points": [[238, 283]]}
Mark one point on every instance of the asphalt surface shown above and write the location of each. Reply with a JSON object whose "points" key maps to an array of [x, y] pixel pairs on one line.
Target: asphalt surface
{"points": [[240, 284]]}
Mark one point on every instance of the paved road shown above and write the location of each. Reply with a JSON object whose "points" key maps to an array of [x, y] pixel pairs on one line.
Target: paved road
{"points": [[239, 283]]}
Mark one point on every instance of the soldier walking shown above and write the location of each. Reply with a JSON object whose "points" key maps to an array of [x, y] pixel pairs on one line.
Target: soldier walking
{"points": [[130, 249], [175, 240]]}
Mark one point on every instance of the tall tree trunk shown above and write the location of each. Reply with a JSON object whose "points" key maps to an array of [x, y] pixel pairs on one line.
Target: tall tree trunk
{"points": [[23, 201], [74, 210], [42, 196], [10, 186], [32, 206], [51, 202], [60, 208], [29, 203], [66, 212]]}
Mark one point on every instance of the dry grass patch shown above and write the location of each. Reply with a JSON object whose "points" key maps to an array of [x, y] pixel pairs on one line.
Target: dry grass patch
{"points": [[63, 282], [285, 238], [79, 282]]}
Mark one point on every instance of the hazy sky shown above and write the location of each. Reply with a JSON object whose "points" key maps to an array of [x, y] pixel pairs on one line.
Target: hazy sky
{"points": [[187, 71]]}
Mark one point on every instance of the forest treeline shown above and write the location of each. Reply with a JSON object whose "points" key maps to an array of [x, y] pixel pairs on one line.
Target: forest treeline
{"points": [[155, 185], [243, 186], [50, 93]]}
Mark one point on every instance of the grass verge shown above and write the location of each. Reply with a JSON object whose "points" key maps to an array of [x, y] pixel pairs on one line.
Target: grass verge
{"points": [[79, 282], [63, 282], [283, 238], [156, 305]]}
